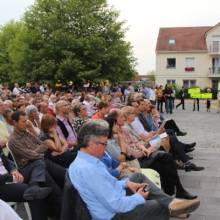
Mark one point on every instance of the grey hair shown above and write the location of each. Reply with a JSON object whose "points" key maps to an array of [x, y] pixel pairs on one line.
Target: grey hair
{"points": [[30, 108], [5, 112], [91, 130], [6, 102], [76, 108]]}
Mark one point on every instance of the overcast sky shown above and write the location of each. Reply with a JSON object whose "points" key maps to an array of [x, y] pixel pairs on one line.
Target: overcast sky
{"points": [[143, 18]]}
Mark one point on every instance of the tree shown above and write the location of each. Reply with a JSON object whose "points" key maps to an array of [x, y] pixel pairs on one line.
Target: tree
{"points": [[151, 77], [7, 35], [72, 40]]}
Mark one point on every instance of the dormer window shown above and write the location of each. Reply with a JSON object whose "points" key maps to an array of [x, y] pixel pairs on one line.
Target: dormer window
{"points": [[172, 41]]}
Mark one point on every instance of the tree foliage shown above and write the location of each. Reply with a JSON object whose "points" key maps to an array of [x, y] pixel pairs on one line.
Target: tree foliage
{"points": [[66, 40]]}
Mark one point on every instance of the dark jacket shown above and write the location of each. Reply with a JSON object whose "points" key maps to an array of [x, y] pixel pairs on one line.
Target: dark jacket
{"points": [[63, 127], [144, 123], [73, 207], [9, 166]]}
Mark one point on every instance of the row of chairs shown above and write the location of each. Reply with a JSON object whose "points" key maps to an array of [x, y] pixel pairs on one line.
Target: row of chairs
{"points": [[73, 205]]}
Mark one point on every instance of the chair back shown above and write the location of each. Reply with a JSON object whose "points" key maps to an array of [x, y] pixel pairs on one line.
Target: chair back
{"points": [[12, 155], [73, 207]]}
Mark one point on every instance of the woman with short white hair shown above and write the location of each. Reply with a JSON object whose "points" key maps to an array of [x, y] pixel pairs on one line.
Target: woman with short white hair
{"points": [[33, 125]]}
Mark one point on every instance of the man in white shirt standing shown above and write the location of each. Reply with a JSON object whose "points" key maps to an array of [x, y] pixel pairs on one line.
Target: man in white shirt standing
{"points": [[16, 91]]}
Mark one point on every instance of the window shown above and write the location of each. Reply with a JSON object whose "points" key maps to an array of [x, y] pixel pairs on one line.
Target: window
{"points": [[189, 83], [171, 81], [215, 83], [172, 41], [190, 64], [215, 45], [171, 63]]}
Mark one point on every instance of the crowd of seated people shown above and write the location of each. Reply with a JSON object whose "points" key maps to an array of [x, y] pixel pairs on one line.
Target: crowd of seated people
{"points": [[100, 143]]}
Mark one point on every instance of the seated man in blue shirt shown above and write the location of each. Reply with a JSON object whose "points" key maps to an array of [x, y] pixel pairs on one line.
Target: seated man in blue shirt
{"points": [[109, 198]]}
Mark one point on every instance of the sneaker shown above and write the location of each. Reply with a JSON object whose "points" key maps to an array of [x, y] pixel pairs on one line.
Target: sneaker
{"points": [[36, 192], [179, 206]]}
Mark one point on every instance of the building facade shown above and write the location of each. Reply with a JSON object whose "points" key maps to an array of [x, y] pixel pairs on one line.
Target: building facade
{"points": [[188, 56]]}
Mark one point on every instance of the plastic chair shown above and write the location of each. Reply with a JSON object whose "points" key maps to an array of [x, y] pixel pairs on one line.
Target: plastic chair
{"points": [[153, 175], [14, 204]]}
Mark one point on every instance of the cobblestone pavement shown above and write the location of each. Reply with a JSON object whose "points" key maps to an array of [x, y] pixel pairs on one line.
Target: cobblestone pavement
{"points": [[204, 128]]}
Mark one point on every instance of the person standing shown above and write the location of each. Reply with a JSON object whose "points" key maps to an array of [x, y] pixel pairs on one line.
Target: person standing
{"points": [[208, 101], [218, 101], [168, 93], [194, 104], [182, 98], [159, 98]]}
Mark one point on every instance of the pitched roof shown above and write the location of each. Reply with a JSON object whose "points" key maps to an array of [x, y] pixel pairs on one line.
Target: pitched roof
{"points": [[186, 39]]}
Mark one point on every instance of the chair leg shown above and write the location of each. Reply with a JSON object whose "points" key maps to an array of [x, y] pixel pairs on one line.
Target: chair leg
{"points": [[27, 208]]}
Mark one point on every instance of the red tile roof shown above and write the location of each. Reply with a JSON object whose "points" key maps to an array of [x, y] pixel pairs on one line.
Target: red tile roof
{"points": [[186, 39]]}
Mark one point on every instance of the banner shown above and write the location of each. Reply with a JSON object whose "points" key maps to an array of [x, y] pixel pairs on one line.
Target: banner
{"points": [[194, 90], [206, 96], [201, 95], [196, 95]]}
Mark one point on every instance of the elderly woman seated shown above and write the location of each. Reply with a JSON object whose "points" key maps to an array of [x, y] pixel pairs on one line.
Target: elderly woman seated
{"points": [[149, 157], [33, 124]]}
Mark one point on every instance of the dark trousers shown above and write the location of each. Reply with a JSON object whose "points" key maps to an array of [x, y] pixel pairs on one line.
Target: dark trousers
{"points": [[155, 208], [55, 177], [14, 193], [34, 172], [65, 159], [171, 124], [164, 164], [169, 105], [178, 149], [182, 102], [196, 101], [160, 105], [51, 175]]}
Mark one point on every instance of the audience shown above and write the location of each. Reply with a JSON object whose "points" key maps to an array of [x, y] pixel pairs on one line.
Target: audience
{"points": [[61, 136], [114, 199]]}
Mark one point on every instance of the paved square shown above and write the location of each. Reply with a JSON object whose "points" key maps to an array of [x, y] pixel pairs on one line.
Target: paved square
{"points": [[204, 128]]}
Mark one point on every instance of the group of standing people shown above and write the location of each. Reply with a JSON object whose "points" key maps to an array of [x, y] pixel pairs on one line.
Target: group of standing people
{"points": [[167, 96]]}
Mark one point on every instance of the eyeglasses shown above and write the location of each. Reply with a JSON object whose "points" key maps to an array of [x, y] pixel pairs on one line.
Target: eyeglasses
{"points": [[102, 143]]}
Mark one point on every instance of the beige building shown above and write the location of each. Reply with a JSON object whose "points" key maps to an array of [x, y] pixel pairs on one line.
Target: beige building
{"points": [[188, 56]]}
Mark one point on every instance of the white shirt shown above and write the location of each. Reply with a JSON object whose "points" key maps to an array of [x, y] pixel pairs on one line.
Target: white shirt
{"points": [[7, 213], [152, 95], [16, 91], [3, 171], [42, 89], [138, 127], [89, 108]]}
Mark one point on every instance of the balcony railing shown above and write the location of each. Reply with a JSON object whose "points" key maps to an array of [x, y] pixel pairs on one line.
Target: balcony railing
{"points": [[214, 72], [214, 49]]}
